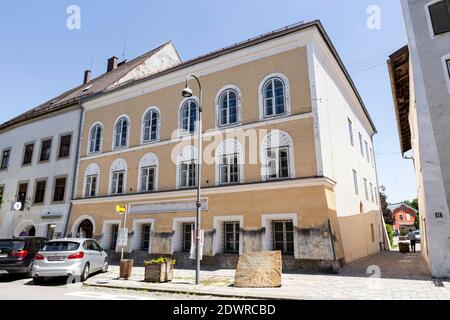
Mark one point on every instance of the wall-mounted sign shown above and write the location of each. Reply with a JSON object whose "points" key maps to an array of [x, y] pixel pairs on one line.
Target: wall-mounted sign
{"points": [[438, 215], [122, 238], [17, 206]]}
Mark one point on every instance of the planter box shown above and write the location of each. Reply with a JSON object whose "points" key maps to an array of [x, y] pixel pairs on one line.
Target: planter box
{"points": [[159, 272], [403, 247]]}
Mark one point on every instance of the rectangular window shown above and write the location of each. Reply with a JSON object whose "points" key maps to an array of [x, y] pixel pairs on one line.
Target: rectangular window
{"points": [[401, 217], [39, 193], [371, 192], [231, 237], [148, 179], [22, 194], [229, 169], [46, 147], [64, 146], [447, 62], [114, 233], [365, 189], [145, 241], [2, 191], [91, 186], [188, 174], [60, 189], [283, 236], [28, 154], [376, 195], [361, 147], [372, 232], [278, 163], [440, 17], [188, 228], [355, 181], [5, 159], [350, 131], [373, 158], [367, 151], [117, 183]]}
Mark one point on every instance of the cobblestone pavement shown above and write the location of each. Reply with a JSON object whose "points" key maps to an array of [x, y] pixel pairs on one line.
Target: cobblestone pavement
{"points": [[388, 275]]}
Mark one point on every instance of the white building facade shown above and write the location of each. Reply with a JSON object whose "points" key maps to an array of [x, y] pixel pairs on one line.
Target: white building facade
{"points": [[36, 177]]}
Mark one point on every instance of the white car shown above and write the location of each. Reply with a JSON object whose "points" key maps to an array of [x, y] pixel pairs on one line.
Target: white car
{"points": [[72, 257], [417, 234]]}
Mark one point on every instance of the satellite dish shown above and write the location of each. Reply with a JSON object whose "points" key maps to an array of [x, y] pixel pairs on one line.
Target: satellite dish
{"points": [[17, 206]]}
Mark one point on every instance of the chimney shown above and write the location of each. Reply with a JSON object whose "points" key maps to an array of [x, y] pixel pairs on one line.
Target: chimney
{"points": [[87, 76], [112, 64]]}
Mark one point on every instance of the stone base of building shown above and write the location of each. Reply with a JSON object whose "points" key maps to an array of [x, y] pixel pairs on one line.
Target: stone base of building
{"points": [[230, 261]]}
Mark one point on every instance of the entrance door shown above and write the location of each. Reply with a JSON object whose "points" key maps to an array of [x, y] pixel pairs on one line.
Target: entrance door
{"points": [[85, 229], [32, 231]]}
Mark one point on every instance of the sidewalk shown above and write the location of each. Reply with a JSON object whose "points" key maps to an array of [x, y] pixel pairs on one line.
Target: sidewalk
{"points": [[354, 283]]}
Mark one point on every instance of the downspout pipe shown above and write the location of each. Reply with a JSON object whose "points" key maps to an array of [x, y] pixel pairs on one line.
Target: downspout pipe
{"points": [[75, 168]]}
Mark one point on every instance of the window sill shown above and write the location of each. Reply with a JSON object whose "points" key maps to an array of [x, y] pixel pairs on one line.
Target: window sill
{"points": [[145, 142], [63, 158], [43, 161]]}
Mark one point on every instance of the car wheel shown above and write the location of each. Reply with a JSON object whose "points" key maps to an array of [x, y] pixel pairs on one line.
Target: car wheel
{"points": [[105, 266], [85, 273], [38, 280], [29, 273]]}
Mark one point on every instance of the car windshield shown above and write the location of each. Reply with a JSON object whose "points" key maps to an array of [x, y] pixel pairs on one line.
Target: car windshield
{"points": [[12, 244], [61, 246]]}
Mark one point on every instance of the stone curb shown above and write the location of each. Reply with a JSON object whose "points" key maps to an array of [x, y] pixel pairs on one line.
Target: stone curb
{"points": [[195, 291]]}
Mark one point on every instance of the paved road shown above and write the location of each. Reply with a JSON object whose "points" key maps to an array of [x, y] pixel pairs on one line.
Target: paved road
{"points": [[13, 287]]}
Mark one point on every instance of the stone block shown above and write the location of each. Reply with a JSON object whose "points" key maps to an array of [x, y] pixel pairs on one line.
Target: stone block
{"points": [[259, 270]]}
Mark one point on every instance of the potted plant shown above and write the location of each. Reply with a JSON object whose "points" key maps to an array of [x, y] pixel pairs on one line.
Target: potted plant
{"points": [[159, 270]]}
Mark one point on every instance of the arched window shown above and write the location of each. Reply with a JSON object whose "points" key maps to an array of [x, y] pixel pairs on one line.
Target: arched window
{"points": [[277, 156], [121, 133], [148, 173], [95, 138], [150, 125], [187, 167], [228, 107], [229, 162], [188, 116], [91, 180], [274, 97], [118, 176]]}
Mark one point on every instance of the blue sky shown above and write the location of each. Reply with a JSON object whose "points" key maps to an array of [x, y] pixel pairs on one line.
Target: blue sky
{"points": [[40, 58]]}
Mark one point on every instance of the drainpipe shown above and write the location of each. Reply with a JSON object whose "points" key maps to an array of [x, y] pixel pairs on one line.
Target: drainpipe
{"points": [[75, 168]]}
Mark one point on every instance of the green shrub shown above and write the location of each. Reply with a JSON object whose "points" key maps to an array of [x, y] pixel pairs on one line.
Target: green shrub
{"points": [[390, 232], [160, 260]]}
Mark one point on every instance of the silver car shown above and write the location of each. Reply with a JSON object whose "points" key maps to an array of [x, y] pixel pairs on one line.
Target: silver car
{"points": [[75, 258]]}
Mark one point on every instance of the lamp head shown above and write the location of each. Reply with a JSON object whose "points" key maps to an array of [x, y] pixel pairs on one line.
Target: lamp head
{"points": [[187, 92]]}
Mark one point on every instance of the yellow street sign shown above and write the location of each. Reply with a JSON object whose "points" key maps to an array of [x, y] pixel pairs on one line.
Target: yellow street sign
{"points": [[120, 209]]}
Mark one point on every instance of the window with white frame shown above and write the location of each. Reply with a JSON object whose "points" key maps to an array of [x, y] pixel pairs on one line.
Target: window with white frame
{"points": [[229, 169], [367, 151], [350, 131], [278, 163], [145, 236], [371, 192], [231, 236], [148, 178], [187, 167], [117, 177], [121, 133], [283, 236], [365, 189], [439, 13], [373, 158], [277, 156], [376, 195], [150, 126], [361, 146], [355, 182], [188, 116], [228, 107], [95, 138], [188, 174], [91, 186], [91, 180], [274, 97]]}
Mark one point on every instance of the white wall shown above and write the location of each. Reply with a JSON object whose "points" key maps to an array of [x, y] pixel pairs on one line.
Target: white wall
{"points": [[15, 138]]}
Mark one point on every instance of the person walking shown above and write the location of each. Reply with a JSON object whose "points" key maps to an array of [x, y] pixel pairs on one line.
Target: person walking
{"points": [[412, 240]]}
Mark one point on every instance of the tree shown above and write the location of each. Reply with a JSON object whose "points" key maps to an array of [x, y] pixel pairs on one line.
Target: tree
{"points": [[387, 213], [414, 203]]}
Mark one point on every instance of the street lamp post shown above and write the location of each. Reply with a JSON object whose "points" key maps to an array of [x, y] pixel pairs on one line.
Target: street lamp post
{"points": [[187, 93]]}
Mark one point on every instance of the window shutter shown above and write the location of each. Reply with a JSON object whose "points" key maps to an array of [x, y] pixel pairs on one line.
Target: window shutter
{"points": [[440, 16]]}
